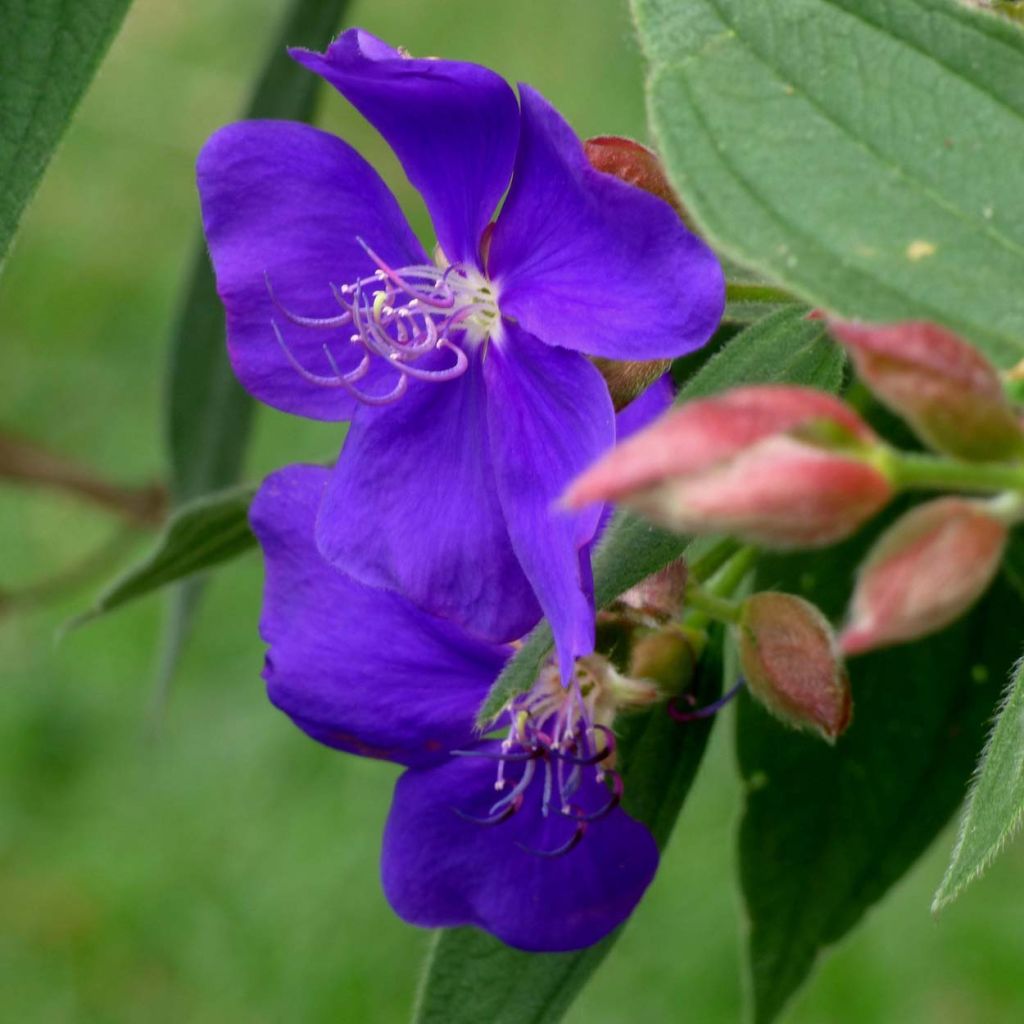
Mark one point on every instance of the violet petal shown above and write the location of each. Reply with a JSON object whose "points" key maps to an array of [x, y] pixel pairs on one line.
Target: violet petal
{"points": [[454, 127], [413, 506], [359, 669], [285, 203], [585, 261], [441, 871], [550, 416]]}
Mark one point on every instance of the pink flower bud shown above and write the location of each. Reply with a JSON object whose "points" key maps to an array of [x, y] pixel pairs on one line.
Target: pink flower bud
{"points": [[790, 661], [776, 465], [924, 572], [942, 386], [633, 163], [660, 596]]}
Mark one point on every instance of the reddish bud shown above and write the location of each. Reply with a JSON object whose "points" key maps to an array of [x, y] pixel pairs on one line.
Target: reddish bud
{"points": [[636, 165], [776, 465], [667, 657], [660, 596], [923, 573], [942, 386], [626, 380], [789, 658]]}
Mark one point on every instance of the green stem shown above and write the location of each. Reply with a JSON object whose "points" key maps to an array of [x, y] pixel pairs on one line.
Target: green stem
{"points": [[736, 291], [908, 470], [720, 609], [733, 573], [707, 564], [713, 601]]}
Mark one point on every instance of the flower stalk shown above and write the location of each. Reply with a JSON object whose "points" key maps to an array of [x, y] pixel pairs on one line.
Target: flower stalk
{"points": [[915, 471]]}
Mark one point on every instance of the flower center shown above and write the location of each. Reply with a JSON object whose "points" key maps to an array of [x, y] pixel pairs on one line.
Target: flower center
{"points": [[555, 735], [419, 320]]}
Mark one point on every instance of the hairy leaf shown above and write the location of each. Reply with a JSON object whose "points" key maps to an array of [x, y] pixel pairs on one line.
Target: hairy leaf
{"points": [[852, 150], [996, 805]]}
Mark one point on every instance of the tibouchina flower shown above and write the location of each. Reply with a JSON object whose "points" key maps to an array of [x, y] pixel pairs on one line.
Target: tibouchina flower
{"points": [[521, 836], [472, 402]]}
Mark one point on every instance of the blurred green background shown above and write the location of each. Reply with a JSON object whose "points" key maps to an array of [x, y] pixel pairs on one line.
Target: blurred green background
{"points": [[222, 867]]}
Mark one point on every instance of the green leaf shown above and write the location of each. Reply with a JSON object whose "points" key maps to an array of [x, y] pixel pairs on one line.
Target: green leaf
{"points": [[996, 804], [827, 831], [784, 347], [202, 534], [51, 50], [471, 977], [209, 415], [852, 150]]}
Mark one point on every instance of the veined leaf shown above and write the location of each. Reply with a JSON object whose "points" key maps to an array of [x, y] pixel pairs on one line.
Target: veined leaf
{"points": [[853, 151], [51, 50], [996, 804], [784, 347]]}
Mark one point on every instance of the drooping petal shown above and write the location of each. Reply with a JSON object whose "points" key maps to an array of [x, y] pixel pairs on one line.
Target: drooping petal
{"points": [[413, 506], [586, 261], [441, 871], [283, 208], [549, 414], [453, 126], [359, 669]]}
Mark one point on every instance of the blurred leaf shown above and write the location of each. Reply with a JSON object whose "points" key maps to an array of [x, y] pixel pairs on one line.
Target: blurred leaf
{"points": [[827, 831], [51, 50], [784, 347], [209, 415], [852, 150], [201, 534], [996, 804], [471, 977]]}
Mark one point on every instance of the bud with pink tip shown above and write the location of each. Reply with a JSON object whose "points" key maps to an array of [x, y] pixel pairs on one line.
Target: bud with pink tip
{"points": [[780, 466], [942, 386], [790, 660], [923, 573]]}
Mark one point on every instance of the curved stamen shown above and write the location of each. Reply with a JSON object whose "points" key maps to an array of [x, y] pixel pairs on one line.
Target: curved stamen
{"points": [[494, 755], [339, 380], [306, 321], [521, 786], [613, 801], [560, 851], [399, 316], [708, 710], [492, 819], [598, 756]]}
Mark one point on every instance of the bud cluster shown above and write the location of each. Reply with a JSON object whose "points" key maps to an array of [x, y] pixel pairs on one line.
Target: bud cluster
{"points": [[788, 467]]}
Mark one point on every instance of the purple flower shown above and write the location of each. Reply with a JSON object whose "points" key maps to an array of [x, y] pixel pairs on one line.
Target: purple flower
{"points": [[521, 836], [471, 402]]}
